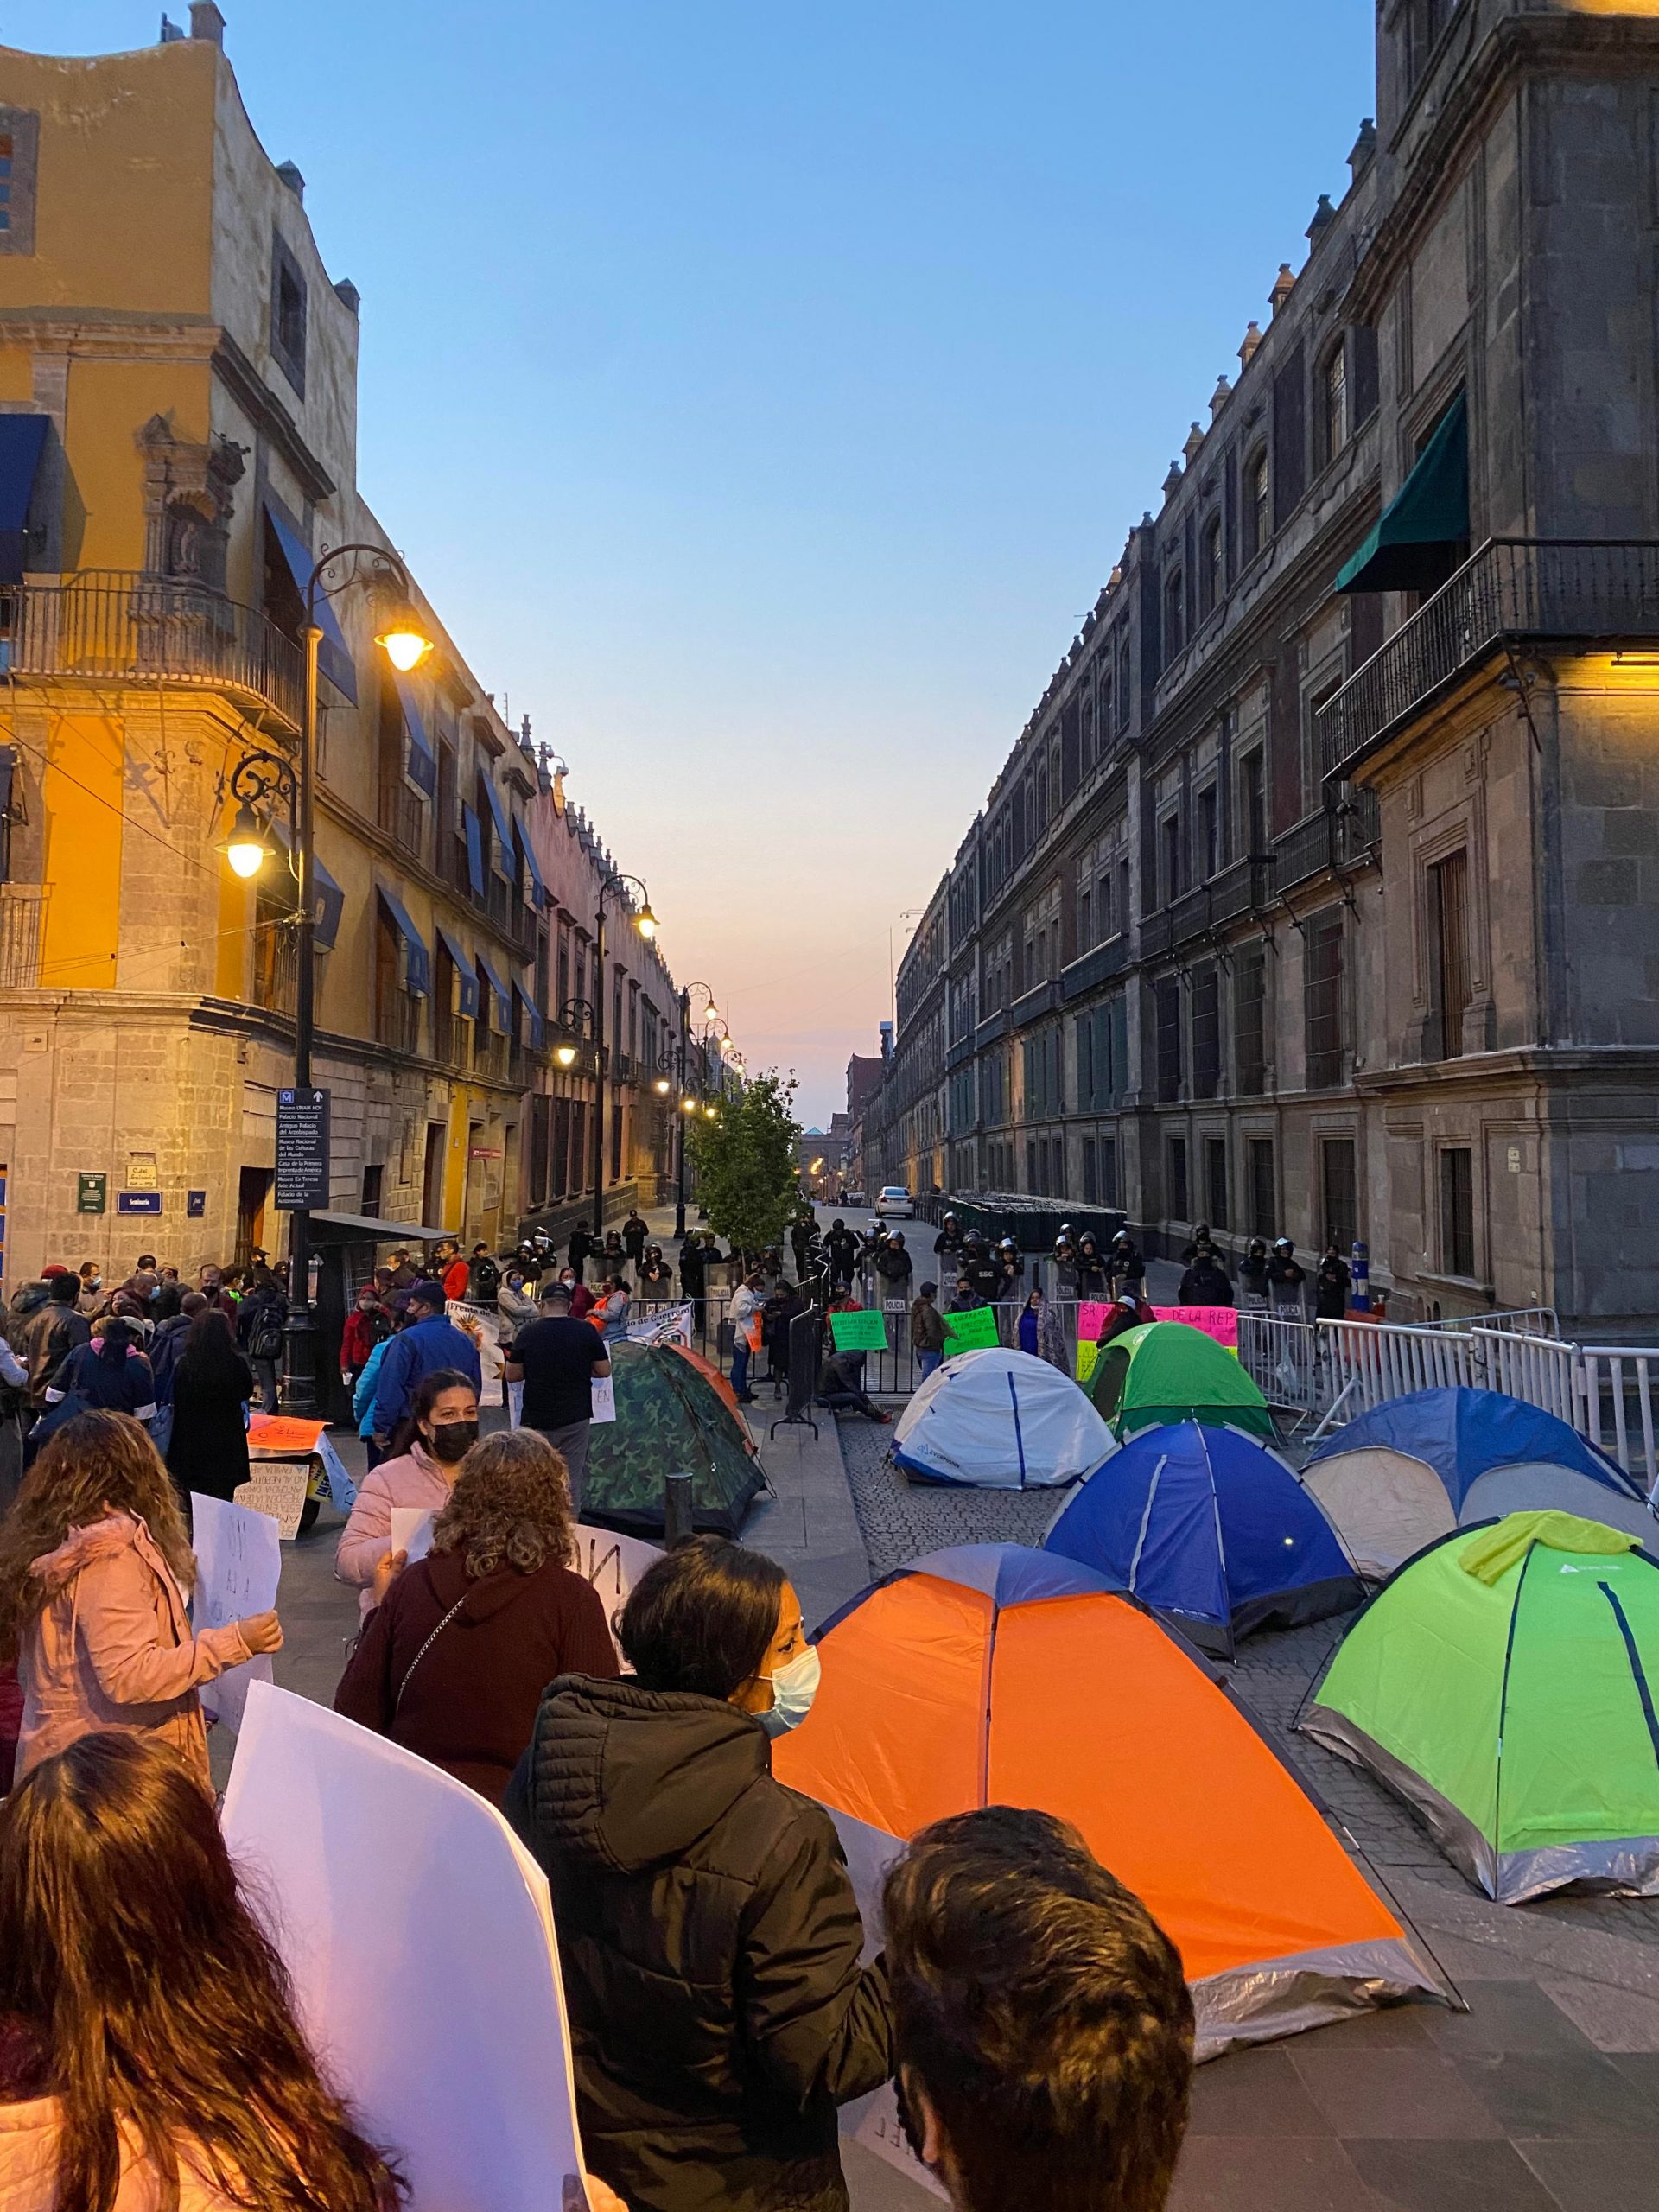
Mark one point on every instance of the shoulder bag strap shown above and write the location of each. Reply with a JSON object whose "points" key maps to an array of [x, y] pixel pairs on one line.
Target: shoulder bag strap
{"points": [[425, 1648]]}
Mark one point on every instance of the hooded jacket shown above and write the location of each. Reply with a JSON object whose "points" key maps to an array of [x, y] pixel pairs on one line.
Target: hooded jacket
{"points": [[710, 1944], [113, 1648]]}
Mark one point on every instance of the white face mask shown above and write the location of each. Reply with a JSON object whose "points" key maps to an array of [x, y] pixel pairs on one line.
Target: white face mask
{"points": [[794, 1685]]}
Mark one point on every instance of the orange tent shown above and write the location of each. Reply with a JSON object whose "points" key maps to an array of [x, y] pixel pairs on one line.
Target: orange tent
{"points": [[994, 1675]]}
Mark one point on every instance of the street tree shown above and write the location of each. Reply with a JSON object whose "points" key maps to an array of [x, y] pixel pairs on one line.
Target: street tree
{"points": [[747, 1164]]}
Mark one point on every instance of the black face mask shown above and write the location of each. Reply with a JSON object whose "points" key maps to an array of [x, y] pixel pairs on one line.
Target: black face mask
{"points": [[451, 1440]]}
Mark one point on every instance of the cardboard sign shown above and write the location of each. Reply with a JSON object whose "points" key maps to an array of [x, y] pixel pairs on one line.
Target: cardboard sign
{"points": [[284, 1435], [860, 1332], [411, 1530], [603, 1387], [1092, 1316], [359, 1847], [277, 1487], [975, 1331], [1220, 1322], [238, 1566]]}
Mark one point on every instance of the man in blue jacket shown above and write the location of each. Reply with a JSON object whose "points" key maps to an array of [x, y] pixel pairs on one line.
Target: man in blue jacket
{"points": [[430, 1341]]}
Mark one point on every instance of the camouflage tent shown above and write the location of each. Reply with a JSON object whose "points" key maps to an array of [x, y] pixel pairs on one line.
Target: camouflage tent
{"points": [[670, 1420]]}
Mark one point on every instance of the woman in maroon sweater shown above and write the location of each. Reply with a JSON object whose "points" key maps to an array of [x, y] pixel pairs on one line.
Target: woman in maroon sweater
{"points": [[453, 1662]]}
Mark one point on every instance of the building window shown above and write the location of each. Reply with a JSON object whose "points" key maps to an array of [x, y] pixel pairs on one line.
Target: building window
{"points": [[1170, 836], [1179, 1197], [1322, 1002], [1175, 615], [1121, 688], [1333, 400], [1206, 1033], [1109, 1172], [1210, 579], [287, 313], [1448, 980], [1250, 1024], [1458, 1211], [1208, 833], [1215, 1181], [1166, 1000], [1264, 1195], [1253, 804], [368, 1202], [1258, 512], [1338, 1192], [19, 137]]}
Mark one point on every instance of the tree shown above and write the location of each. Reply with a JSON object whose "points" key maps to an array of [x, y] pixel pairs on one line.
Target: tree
{"points": [[748, 1165]]}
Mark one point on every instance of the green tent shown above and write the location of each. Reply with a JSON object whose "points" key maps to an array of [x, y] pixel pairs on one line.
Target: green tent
{"points": [[671, 1419], [1502, 1683], [1165, 1371]]}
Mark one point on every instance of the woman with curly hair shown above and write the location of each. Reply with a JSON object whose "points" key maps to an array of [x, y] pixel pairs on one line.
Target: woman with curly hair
{"points": [[455, 1659], [95, 1568], [149, 2051]]}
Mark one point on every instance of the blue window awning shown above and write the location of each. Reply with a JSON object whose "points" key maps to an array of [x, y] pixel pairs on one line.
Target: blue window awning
{"points": [[422, 757], [470, 823], [500, 999], [503, 852], [1427, 520], [465, 970], [22, 440], [535, 1028], [538, 888], [328, 900], [417, 960], [333, 654]]}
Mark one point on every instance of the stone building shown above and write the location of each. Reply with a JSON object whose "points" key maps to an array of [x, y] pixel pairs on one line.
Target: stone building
{"points": [[1319, 894], [178, 392]]}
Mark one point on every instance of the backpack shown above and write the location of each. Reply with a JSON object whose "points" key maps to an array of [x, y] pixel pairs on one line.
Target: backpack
{"points": [[265, 1338]]}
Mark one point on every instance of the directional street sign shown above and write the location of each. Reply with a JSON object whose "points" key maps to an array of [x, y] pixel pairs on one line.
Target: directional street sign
{"points": [[301, 1149]]}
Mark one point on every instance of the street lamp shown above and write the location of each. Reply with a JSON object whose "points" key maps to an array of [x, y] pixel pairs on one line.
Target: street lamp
{"points": [[611, 884], [687, 1105], [572, 1016], [402, 635]]}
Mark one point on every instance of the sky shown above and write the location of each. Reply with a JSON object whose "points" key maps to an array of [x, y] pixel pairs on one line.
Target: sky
{"points": [[763, 392]]}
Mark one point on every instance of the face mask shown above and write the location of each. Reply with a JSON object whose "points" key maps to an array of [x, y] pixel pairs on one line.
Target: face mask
{"points": [[453, 1439], [793, 1688]]}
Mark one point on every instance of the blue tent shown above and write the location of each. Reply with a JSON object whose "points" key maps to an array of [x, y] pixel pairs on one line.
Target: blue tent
{"points": [[1417, 1467], [1209, 1525]]}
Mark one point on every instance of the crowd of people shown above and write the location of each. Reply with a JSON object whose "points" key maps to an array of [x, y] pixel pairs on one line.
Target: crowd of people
{"points": [[723, 2000]]}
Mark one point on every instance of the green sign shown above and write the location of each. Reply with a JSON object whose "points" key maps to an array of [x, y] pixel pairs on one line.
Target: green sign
{"points": [[975, 1331], [89, 1193], [859, 1332]]}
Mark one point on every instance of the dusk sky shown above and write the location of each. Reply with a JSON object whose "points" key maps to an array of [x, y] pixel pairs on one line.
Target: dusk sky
{"points": [[762, 393]]}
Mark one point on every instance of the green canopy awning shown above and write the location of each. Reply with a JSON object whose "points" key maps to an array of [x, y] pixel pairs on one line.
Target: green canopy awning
{"points": [[1429, 513]]}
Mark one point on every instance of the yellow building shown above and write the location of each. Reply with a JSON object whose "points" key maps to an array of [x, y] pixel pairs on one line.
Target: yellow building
{"points": [[178, 381]]}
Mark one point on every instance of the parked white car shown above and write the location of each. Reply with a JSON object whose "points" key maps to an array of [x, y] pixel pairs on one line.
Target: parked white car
{"points": [[895, 1204]]}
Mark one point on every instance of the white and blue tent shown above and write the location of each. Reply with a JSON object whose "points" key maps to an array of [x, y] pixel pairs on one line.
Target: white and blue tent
{"points": [[996, 1420], [1417, 1467]]}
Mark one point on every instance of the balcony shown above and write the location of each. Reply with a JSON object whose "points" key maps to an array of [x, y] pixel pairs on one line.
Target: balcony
{"points": [[114, 625], [397, 1021], [23, 919], [1514, 590], [1303, 851], [489, 1056], [402, 817], [452, 1039]]}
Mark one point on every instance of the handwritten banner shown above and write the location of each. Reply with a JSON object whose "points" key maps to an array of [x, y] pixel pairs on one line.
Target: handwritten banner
{"points": [[1091, 1319], [859, 1332], [1088, 1357], [282, 1435], [1220, 1322], [973, 1331], [238, 1566]]}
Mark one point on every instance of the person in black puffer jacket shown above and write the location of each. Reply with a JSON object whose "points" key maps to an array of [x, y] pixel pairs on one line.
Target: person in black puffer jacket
{"points": [[707, 1930]]}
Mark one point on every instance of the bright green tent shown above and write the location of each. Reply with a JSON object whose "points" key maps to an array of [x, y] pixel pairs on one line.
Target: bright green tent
{"points": [[1165, 1372], [671, 1419], [1502, 1683]]}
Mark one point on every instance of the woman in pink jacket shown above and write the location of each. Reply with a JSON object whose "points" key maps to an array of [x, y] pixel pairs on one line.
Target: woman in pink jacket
{"points": [[147, 2039], [427, 1453], [94, 1566]]}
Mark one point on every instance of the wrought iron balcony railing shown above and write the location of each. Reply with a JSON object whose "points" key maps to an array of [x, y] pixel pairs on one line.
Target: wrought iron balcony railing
{"points": [[114, 625], [1512, 591]]}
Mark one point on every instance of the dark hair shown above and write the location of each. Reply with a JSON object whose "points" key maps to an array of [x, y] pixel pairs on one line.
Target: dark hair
{"points": [[428, 1391], [192, 1303], [111, 1861], [1042, 2011], [64, 1290], [210, 1354], [114, 1337], [701, 1619]]}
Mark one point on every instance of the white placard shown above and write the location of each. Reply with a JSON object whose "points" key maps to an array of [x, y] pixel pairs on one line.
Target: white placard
{"points": [[878, 2131], [604, 1389], [356, 1844], [612, 1564], [663, 1325], [277, 1487], [411, 1530], [341, 1488], [483, 1329], [238, 1566]]}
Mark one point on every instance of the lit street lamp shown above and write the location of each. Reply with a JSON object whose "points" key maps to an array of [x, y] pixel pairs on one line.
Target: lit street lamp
{"points": [[401, 634]]}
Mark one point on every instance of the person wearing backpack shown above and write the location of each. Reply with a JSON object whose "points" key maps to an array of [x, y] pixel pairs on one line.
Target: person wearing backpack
{"points": [[483, 1276], [260, 1320]]}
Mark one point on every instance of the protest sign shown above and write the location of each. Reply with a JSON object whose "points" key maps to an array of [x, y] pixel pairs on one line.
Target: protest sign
{"points": [[277, 1487], [1091, 1319], [663, 1325], [283, 1436], [878, 2130], [411, 1530], [1088, 1355], [341, 1488], [238, 1566], [485, 1330], [1220, 1322], [612, 1564], [388, 1882], [603, 1389], [973, 1331], [859, 1332]]}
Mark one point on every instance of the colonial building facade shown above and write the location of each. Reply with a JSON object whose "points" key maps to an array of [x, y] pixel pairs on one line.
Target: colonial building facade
{"points": [[178, 403], [1319, 895]]}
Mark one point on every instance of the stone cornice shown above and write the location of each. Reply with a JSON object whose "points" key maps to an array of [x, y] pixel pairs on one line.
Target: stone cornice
{"points": [[246, 385]]}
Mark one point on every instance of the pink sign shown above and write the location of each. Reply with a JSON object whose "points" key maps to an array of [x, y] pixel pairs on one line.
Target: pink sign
{"points": [[1220, 1322], [1091, 1319]]}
